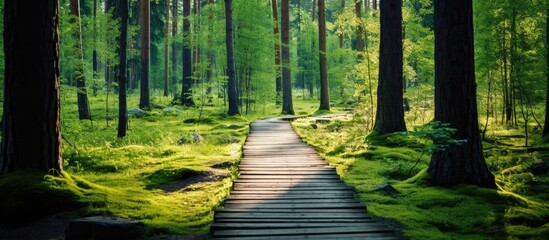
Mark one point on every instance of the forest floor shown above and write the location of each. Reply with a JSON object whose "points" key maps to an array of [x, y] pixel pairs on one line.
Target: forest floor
{"points": [[519, 209], [166, 176]]}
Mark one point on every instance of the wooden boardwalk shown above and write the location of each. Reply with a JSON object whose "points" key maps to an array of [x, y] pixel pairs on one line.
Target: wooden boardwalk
{"points": [[287, 191]]}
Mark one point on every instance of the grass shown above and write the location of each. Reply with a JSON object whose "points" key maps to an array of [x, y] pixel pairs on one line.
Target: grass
{"points": [[518, 210], [137, 177]]}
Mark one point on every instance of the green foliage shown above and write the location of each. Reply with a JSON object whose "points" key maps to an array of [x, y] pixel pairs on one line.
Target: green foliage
{"points": [[428, 212]]}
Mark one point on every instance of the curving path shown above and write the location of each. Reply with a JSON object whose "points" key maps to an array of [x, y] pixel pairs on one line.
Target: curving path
{"points": [[287, 191]]}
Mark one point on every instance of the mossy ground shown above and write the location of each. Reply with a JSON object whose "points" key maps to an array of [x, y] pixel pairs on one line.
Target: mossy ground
{"points": [[131, 177], [518, 210]]}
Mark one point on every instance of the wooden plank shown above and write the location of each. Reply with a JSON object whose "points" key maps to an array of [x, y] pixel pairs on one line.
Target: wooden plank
{"points": [[292, 192], [282, 220], [255, 201], [291, 172], [288, 210], [287, 191], [287, 185], [282, 168], [300, 231], [226, 226], [312, 215], [292, 188], [293, 196], [304, 181], [344, 236], [296, 205], [317, 176]]}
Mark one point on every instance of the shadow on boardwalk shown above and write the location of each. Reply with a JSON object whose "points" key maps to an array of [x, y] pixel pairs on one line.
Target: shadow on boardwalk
{"points": [[287, 191]]}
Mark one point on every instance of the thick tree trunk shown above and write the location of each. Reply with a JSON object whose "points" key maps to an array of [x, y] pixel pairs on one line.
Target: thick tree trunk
{"points": [[455, 97], [359, 30], [82, 95], [390, 110], [167, 51], [174, 47], [186, 90], [546, 124], [144, 100], [287, 104], [122, 77], [232, 91], [31, 126], [324, 89], [278, 80]]}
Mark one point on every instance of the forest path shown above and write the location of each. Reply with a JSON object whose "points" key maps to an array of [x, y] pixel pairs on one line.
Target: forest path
{"points": [[287, 191]]}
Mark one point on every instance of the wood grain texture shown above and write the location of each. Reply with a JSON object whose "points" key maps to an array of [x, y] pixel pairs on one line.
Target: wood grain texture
{"points": [[287, 191]]}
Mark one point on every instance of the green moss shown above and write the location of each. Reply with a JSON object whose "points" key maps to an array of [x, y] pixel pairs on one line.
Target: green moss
{"points": [[27, 196], [519, 210]]}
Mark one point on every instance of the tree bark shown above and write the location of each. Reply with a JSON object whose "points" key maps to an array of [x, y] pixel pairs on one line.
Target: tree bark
{"points": [[174, 46], [390, 110], [144, 100], [186, 90], [82, 95], [455, 97], [31, 126], [374, 4], [359, 30], [94, 54], [167, 51], [546, 124], [341, 35], [287, 104], [122, 77], [209, 71], [232, 91], [313, 13], [278, 80], [324, 88]]}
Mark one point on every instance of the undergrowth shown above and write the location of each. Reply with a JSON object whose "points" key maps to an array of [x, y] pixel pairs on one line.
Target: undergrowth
{"points": [[518, 210]]}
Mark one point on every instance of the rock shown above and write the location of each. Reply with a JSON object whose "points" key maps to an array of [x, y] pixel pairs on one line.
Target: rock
{"points": [[314, 126], [386, 188], [136, 112], [172, 109], [197, 137], [539, 168], [104, 228]]}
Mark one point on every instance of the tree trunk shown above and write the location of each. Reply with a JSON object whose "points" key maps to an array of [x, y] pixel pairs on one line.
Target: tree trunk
{"points": [[122, 77], [341, 35], [82, 95], [546, 125], [287, 104], [94, 54], [390, 110], [174, 47], [166, 50], [374, 4], [359, 30], [313, 13], [144, 100], [209, 71], [278, 67], [455, 97], [31, 126], [232, 91], [186, 90], [324, 89]]}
